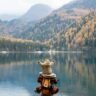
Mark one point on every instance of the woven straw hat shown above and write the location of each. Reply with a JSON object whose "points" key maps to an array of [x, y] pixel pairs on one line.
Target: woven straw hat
{"points": [[46, 66]]}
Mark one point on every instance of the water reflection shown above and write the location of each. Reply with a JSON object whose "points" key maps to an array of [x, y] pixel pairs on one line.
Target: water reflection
{"points": [[76, 73], [11, 90]]}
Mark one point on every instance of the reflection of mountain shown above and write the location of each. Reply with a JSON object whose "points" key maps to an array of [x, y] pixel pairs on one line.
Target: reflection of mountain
{"points": [[77, 75], [22, 74], [20, 57], [76, 72], [20, 69]]}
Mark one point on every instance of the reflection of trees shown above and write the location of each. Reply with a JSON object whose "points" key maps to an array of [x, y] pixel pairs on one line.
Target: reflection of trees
{"points": [[19, 57], [77, 73], [20, 69]]}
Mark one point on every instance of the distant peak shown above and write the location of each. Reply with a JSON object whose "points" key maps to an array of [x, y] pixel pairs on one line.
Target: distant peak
{"points": [[39, 4], [80, 4], [36, 12]]}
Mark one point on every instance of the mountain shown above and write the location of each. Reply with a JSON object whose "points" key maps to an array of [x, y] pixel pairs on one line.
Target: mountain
{"points": [[64, 28], [36, 12], [16, 26], [80, 35], [59, 20], [8, 17], [88, 4]]}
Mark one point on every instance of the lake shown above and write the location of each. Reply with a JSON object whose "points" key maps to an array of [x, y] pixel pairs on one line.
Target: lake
{"points": [[76, 73]]}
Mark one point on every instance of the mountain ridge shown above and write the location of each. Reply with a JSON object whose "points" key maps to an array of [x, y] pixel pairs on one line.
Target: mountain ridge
{"points": [[36, 12], [80, 4], [59, 22]]}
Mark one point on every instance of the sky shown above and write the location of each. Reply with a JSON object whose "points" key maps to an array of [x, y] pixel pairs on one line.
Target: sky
{"points": [[19, 7]]}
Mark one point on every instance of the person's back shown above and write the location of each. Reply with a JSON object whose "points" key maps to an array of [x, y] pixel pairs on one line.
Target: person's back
{"points": [[47, 79]]}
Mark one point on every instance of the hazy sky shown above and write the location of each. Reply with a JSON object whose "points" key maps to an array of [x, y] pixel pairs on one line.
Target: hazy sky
{"points": [[21, 6]]}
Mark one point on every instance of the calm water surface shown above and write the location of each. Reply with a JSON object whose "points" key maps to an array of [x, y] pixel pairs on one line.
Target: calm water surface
{"points": [[76, 74]]}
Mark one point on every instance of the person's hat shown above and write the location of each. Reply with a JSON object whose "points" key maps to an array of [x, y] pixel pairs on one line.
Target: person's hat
{"points": [[46, 66]]}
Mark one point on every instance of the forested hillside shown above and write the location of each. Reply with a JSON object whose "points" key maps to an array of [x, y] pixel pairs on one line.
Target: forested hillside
{"points": [[45, 28], [20, 45], [81, 35]]}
